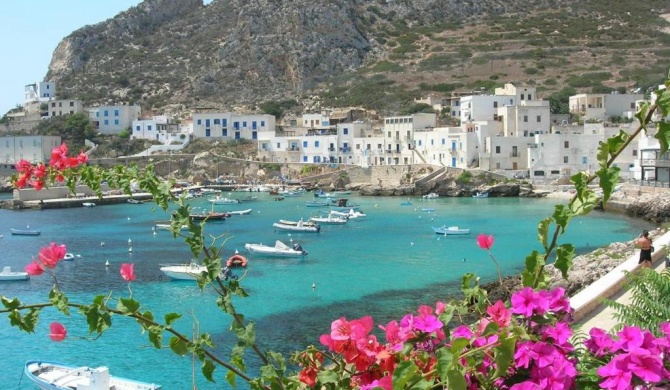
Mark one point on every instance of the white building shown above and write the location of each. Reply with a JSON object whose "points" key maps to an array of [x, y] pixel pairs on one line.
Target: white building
{"points": [[40, 92], [64, 107], [158, 128], [317, 121], [602, 107], [113, 119], [226, 125], [33, 148]]}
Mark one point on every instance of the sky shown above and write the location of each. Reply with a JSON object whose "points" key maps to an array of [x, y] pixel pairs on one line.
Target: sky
{"points": [[30, 30]]}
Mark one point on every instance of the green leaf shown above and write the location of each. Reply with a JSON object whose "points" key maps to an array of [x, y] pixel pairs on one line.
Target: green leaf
{"points": [[268, 372], [127, 306], [403, 373], [641, 115], [247, 334], [171, 317], [663, 101], [564, 255], [534, 262], [456, 378], [156, 336], [543, 232], [562, 216], [584, 204], [208, 368], [663, 136], [504, 353], [178, 346], [327, 376], [445, 362], [26, 323], [11, 305], [59, 300], [609, 178]]}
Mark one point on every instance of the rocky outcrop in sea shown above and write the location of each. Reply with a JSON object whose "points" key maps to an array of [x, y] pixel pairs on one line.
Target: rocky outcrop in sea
{"points": [[652, 207]]}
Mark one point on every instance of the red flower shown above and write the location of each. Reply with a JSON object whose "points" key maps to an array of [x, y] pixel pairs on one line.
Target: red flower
{"points": [[308, 376], [58, 332], [82, 158], [484, 241], [50, 255], [59, 157], [128, 271], [34, 269], [22, 181], [24, 166]]}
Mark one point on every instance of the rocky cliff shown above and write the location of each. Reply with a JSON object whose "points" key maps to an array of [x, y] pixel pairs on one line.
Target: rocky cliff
{"points": [[356, 52]]}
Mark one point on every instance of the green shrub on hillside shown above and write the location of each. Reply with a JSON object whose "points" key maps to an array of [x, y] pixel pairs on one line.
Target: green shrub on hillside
{"points": [[464, 178]]}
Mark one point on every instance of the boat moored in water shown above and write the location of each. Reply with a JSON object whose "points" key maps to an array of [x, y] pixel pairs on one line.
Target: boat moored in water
{"points": [[25, 232], [450, 230], [278, 250], [299, 226], [8, 275]]}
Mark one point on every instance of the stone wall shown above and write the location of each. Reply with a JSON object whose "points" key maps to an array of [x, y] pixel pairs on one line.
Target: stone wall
{"points": [[29, 194]]}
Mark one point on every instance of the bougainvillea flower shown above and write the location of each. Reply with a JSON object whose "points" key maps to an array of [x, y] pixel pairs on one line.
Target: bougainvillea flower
{"points": [[128, 271], [308, 376], [57, 332], [600, 342], [499, 314], [630, 337], [616, 374], [50, 255], [34, 269], [484, 241], [82, 158]]}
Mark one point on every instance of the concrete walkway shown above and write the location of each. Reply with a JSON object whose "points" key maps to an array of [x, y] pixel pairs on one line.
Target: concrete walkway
{"points": [[590, 312]]}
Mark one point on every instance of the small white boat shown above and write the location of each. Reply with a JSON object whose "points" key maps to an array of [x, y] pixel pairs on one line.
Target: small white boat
{"points": [[8, 274], [344, 192], [480, 195], [428, 210], [25, 232], [223, 200], [432, 195], [68, 256], [134, 201], [351, 214], [329, 220], [168, 225], [184, 271], [88, 204], [317, 203], [344, 206], [321, 194], [239, 212], [289, 193], [59, 376], [450, 230], [279, 250], [300, 226]]}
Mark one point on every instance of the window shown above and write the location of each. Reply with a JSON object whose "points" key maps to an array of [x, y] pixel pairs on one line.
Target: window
{"points": [[236, 125], [495, 104], [106, 113], [207, 132], [207, 124], [217, 121], [116, 112], [345, 131], [224, 132], [522, 96], [106, 122], [60, 104], [529, 97], [116, 122], [97, 114], [137, 128], [585, 160], [304, 144], [253, 125], [71, 104], [565, 159], [566, 144], [254, 135], [262, 123], [497, 149], [316, 144], [525, 118], [539, 118], [634, 152], [53, 105], [149, 127], [199, 122], [224, 122], [244, 124], [278, 145], [632, 105], [304, 159]]}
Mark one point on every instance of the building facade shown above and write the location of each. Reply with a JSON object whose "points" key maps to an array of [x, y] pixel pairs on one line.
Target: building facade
{"points": [[33, 148], [226, 125], [113, 119]]}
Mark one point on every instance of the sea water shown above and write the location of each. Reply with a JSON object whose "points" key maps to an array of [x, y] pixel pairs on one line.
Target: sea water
{"points": [[383, 265]]}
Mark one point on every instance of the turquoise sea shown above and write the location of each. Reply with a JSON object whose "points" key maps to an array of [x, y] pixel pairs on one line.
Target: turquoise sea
{"points": [[383, 265]]}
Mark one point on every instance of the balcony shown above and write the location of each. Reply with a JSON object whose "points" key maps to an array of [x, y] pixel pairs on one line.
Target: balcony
{"points": [[345, 150], [331, 149], [514, 154], [652, 162], [293, 149]]}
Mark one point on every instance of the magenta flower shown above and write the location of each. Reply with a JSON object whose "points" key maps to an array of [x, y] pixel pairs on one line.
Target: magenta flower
{"points": [[616, 374], [34, 269], [527, 385], [560, 333], [128, 271], [427, 323], [600, 342], [499, 314], [630, 337], [57, 332], [645, 365], [527, 302], [484, 241]]}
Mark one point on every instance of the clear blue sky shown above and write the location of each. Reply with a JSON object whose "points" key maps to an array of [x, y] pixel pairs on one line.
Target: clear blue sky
{"points": [[30, 30]]}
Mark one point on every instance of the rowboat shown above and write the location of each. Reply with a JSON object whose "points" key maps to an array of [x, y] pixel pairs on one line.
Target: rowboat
{"points": [[450, 230], [239, 212], [59, 376], [25, 232]]}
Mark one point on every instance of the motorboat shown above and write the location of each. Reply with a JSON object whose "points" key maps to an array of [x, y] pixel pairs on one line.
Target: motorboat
{"points": [[25, 232], [209, 216], [406, 203], [279, 250], [428, 210], [7, 274], [351, 214], [321, 194], [167, 225], [344, 206], [343, 192], [299, 226], [88, 204], [317, 203], [450, 230], [223, 200], [248, 198], [289, 193], [239, 212], [59, 376], [480, 195], [329, 220], [69, 257], [184, 271], [432, 195]]}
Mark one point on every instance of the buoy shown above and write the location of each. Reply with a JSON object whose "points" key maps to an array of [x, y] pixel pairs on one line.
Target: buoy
{"points": [[130, 242], [313, 286], [107, 263], [129, 218], [464, 259], [102, 243], [130, 250]]}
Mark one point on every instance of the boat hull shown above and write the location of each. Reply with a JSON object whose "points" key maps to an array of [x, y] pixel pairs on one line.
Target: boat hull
{"points": [[271, 251], [58, 376], [21, 232], [184, 271], [8, 275], [451, 231]]}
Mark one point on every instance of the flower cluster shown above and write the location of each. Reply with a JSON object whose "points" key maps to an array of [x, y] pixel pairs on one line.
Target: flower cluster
{"points": [[36, 175], [636, 357]]}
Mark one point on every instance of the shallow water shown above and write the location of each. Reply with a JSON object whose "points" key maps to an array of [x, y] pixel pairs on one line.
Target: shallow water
{"points": [[384, 265]]}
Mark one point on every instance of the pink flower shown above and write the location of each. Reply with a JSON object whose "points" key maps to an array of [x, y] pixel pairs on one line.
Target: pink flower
{"points": [[499, 314], [616, 374], [59, 157], [82, 158], [128, 271], [50, 255], [57, 332], [527, 302], [484, 241], [600, 342], [34, 269]]}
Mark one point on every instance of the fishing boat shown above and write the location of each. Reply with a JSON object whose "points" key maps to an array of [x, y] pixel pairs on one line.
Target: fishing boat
{"points": [[278, 250], [450, 230], [299, 226], [317, 203], [480, 195], [344, 206], [223, 200], [7, 274], [134, 201], [432, 195], [25, 232], [209, 216], [59, 376], [343, 192], [239, 212]]}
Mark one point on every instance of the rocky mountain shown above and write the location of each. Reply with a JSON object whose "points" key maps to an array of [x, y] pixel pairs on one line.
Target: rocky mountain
{"points": [[379, 54]]}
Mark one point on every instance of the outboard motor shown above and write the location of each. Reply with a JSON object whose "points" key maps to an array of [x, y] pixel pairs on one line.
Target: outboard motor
{"points": [[298, 247]]}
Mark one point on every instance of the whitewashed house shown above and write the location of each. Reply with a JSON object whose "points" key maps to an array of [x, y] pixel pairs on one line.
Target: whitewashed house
{"points": [[33, 148], [157, 128], [40, 92], [113, 119], [228, 126], [602, 107]]}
